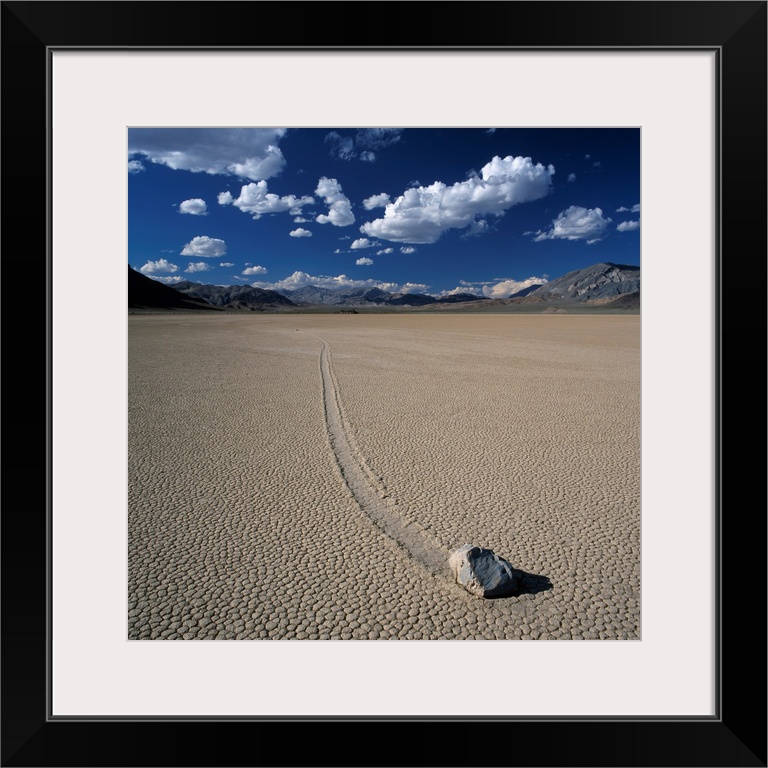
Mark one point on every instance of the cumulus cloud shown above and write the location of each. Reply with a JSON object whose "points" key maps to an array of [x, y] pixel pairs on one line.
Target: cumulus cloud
{"points": [[256, 199], [413, 288], [364, 262], [628, 226], [506, 288], [367, 156], [300, 232], [385, 251], [339, 207], [301, 279], [300, 220], [457, 289], [255, 271], [362, 242], [407, 249], [634, 209], [161, 265], [576, 223], [198, 266], [135, 166], [571, 177], [251, 153], [226, 264], [478, 227], [205, 247], [376, 201], [167, 280], [195, 206], [422, 214]]}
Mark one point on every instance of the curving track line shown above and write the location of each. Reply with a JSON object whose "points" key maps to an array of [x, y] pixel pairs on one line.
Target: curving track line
{"points": [[368, 491]]}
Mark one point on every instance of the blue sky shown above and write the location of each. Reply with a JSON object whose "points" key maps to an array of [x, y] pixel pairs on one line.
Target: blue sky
{"points": [[430, 210]]}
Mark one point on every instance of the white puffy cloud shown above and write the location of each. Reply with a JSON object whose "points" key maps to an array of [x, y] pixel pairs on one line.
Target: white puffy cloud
{"points": [[226, 264], [255, 271], [339, 208], [376, 201], [161, 265], [198, 266], [457, 289], [362, 242], [205, 247], [251, 153], [576, 223], [384, 251], [364, 262], [300, 232], [407, 249], [195, 206], [300, 220], [422, 214], [571, 177], [167, 280], [256, 199], [225, 198], [634, 209], [413, 288], [301, 279], [135, 166], [367, 156], [627, 226], [506, 288]]}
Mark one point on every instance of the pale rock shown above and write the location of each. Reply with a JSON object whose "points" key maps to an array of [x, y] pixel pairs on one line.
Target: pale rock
{"points": [[482, 572]]}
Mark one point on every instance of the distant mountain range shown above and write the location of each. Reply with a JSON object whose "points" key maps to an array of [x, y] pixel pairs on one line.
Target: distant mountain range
{"points": [[605, 284], [362, 297]]}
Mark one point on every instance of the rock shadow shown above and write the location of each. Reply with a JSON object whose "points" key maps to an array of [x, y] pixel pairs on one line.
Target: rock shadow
{"points": [[528, 584]]}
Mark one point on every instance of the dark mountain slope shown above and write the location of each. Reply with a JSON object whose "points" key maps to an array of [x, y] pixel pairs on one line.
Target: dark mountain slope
{"points": [[234, 296], [145, 293]]}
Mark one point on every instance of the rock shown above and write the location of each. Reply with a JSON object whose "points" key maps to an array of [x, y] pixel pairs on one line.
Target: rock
{"points": [[482, 572]]}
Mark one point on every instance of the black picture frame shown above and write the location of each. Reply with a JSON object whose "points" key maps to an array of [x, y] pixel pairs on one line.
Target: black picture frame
{"points": [[736, 736]]}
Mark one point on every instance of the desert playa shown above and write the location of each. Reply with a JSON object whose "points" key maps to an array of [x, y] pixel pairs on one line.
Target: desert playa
{"points": [[306, 477]]}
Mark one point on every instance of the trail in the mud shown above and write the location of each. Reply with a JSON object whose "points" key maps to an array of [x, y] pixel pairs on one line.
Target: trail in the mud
{"points": [[368, 490]]}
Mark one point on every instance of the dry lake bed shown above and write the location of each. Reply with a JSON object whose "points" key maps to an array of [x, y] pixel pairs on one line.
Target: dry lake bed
{"points": [[307, 476]]}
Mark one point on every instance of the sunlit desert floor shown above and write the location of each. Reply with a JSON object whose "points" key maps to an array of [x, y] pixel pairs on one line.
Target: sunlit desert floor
{"points": [[306, 476]]}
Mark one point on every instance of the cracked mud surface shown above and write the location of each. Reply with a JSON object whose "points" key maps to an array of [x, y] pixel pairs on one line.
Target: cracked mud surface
{"points": [[303, 476]]}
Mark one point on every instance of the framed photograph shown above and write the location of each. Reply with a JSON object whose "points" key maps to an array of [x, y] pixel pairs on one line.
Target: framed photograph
{"points": [[673, 94]]}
